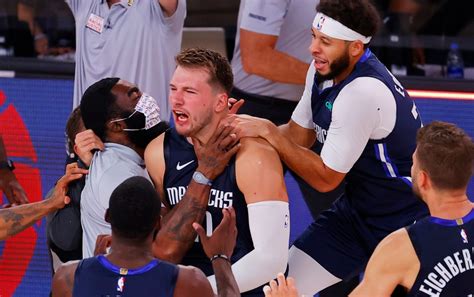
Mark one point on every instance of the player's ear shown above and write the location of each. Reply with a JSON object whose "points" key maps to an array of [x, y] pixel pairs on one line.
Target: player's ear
{"points": [[222, 102], [356, 48], [107, 216]]}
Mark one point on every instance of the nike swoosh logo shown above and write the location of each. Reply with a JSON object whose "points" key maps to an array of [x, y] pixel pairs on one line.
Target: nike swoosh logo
{"points": [[179, 166]]}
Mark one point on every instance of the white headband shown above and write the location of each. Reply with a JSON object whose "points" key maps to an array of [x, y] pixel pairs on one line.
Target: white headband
{"points": [[335, 29]]}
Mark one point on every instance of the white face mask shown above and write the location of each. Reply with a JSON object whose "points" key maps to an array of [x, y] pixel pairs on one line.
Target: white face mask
{"points": [[146, 105]]}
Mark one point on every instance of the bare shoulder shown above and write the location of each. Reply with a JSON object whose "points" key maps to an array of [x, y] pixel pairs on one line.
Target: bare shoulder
{"points": [[394, 262], [192, 282], [155, 147], [63, 280], [394, 245], [259, 172], [256, 147], [67, 269], [155, 161], [395, 256]]}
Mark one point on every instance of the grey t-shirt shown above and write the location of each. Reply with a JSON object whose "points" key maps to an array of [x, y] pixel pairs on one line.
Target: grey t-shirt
{"points": [[109, 168], [291, 21], [132, 40]]}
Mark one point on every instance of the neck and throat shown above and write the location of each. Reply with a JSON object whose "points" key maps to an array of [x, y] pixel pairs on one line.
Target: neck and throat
{"points": [[130, 254], [449, 205], [207, 130]]}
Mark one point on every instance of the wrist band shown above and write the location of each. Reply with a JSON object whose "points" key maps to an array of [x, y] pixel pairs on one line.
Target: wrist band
{"points": [[201, 179], [220, 256]]}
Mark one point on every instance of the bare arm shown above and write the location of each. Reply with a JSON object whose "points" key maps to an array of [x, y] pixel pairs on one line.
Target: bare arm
{"points": [[221, 242], [259, 175], [8, 181], [312, 170], [297, 134], [177, 234], [259, 56], [192, 282], [63, 280], [169, 6], [394, 262], [16, 219]]}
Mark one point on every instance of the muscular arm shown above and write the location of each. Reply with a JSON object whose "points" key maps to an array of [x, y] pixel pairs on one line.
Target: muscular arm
{"points": [[177, 235], [8, 181], [192, 282], [259, 176], [16, 219], [394, 262], [63, 280], [312, 170], [259, 55]]}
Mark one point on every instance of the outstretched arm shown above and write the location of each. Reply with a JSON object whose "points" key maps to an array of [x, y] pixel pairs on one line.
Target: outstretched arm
{"points": [[177, 235], [16, 219]]}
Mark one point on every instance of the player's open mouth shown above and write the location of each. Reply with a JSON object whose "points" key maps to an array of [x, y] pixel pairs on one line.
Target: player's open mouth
{"points": [[180, 116], [319, 63]]}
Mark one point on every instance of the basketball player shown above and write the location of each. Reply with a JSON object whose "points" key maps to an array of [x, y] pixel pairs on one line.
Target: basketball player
{"points": [[435, 256], [365, 126], [252, 183], [130, 268]]}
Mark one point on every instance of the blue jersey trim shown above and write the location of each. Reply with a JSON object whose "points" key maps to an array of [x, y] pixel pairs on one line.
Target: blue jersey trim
{"points": [[123, 271], [365, 56], [444, 222], [389, 167]]}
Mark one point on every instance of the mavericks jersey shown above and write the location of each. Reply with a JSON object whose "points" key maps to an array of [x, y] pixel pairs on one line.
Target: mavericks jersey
{"points": [[98, 277], [378, 185], [181, 162], [445, 249]]}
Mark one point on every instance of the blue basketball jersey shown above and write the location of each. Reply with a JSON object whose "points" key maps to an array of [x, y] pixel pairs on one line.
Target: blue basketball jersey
{"points": [[445, 249], [378, 186], [181, 162], [98, 277]]}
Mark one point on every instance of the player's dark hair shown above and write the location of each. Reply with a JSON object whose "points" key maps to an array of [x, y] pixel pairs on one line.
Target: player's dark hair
{"points": [[446, 153], [134, 209], [359, 15], [98, 105], [218, 66], [74, 125]]}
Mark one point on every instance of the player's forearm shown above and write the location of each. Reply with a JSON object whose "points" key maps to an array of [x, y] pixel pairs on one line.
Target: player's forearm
{"points": [[177, 235], [288, 69], [312, 170], [16, 219], [226, 284]]}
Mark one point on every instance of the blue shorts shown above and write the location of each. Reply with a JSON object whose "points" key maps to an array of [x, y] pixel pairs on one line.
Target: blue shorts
{"points": [[339, 240]]}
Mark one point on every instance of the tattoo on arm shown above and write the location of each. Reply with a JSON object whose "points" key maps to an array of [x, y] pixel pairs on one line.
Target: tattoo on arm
{"points": [[16, 219], [177, 233], [180, 225]]}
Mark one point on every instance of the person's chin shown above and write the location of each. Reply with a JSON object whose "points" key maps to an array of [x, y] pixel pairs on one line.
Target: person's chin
{"points": [[183, 131]]}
